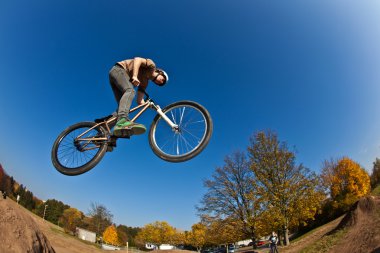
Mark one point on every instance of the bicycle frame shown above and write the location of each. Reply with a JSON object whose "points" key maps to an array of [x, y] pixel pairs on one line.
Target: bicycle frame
{"points": [[143, 107]]}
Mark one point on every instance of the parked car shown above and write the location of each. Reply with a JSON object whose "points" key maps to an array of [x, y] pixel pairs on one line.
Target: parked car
{"points": [[260, 243], [257, 243], [231, 248]]}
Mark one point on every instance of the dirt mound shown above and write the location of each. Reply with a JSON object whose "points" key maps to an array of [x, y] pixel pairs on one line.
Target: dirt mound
{"points": [[19, 232], [361, 209], [363, 224]]}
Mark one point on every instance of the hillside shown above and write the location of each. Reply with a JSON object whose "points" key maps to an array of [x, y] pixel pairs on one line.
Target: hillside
{"points": [[23, 231], [358, 231]]}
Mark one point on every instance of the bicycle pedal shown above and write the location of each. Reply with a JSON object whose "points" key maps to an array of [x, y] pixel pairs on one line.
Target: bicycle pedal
{"points": [[126, 133]]}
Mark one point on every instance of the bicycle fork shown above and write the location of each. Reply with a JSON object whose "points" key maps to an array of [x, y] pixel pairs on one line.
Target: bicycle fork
{"points": [[174, 126]]}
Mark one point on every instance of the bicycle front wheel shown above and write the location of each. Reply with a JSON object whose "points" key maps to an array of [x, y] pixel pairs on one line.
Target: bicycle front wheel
{"points": [[189, 139], [79, 148]]}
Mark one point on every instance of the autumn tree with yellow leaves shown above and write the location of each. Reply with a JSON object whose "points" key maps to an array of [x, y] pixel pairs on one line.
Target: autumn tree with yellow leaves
{"points": [[289, 191], [346, 181], [157, 233], [197, 236], [110, 236], [223, 231], [70, 219]]}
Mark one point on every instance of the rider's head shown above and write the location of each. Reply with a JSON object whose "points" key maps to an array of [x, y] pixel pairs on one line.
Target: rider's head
{"points": [[160, 78]]}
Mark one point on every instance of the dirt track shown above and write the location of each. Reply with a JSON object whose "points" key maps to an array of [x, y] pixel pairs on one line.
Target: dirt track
{"points": [[363, 236], [61, 242]]}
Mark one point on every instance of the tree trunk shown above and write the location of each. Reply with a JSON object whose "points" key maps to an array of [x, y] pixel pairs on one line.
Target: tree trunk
{"points": [[254, 242], [286, 235]]}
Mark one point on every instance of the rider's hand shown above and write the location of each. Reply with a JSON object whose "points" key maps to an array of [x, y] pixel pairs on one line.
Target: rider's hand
{"points": [[142, 101], [135, 81]]}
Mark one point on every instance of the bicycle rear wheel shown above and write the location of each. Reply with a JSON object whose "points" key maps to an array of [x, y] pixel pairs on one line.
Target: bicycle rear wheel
{"points": [[75, 151], [192, 136]]}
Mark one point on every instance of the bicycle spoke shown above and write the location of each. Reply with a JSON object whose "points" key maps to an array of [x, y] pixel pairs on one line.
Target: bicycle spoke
{"points": [[192, 128], [73, 155]]}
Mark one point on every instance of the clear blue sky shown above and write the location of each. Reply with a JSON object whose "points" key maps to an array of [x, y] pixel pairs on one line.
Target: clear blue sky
{"points": [[308, 70]]}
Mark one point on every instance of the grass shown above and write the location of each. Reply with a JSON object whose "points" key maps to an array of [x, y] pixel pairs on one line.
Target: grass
{"points": [[376, 191], [62, 232], [311, 232], [326, 242]]}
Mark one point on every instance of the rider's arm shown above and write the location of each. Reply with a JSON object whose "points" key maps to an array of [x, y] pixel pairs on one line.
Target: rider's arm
{"points": [[138, 62], [140, 96]]}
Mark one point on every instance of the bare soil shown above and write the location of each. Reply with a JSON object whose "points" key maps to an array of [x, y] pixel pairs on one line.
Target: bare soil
{"points": [[18, 231], [362, 223]]}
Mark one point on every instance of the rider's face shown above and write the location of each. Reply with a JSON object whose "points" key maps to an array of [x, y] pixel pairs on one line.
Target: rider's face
{"points": [[160, 79]]}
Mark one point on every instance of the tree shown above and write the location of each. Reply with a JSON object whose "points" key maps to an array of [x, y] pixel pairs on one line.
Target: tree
{"points": [[110, 236], [70, 219], [26, 198], [128, 234], [290, 191], [53, 210], [122, 233], [375, 176], [347, 181], [232, 194], [197, 236], [100, 216], [5, 182], [157, 233], [223, 232]]}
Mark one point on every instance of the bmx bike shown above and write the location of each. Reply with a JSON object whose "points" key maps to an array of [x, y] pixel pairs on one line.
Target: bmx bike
{"points": [[178, 133]]}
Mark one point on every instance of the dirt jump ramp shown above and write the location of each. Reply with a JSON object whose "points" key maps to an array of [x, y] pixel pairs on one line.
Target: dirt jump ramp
{"points": [[19, 232], [363, 224]]}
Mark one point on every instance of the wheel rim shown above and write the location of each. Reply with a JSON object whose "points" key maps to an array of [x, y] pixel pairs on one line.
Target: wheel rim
{"points": [[73, 153], [192, 129]]}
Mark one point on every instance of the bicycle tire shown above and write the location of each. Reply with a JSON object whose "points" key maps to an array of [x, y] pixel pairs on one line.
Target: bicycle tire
{"points": [[65, 149], [177, 113]]}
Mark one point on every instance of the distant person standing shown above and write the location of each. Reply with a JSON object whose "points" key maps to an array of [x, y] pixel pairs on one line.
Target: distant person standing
{"points": [[273, 239], [4, 194]]}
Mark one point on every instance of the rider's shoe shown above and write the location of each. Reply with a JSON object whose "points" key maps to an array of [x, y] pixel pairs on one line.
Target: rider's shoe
{"points": [[126, 128]]}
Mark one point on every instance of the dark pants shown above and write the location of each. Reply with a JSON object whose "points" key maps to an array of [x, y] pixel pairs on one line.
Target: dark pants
{"points": [[273, 248], [123, 90]]}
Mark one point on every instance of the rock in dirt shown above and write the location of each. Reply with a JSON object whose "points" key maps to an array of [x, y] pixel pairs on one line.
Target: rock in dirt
{"points": [[19, 232]]}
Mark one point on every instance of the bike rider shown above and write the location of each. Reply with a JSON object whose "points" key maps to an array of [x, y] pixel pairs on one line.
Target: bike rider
{"points": [[273, 239], [124, 76]]}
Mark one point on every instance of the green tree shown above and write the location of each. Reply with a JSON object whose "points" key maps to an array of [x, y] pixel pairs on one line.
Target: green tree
{"points": [[26, 198], [128, 234], [231, 193], [53, 210], [375, 176], [289, 190]]}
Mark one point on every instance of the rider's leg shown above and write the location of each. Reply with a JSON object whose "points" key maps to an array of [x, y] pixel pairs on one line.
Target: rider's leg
{"points": [[124, 93], [122, 89]]}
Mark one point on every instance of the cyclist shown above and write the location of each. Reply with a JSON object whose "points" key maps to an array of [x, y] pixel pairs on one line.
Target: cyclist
{"points": [[273, 239], [124, 77]]}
